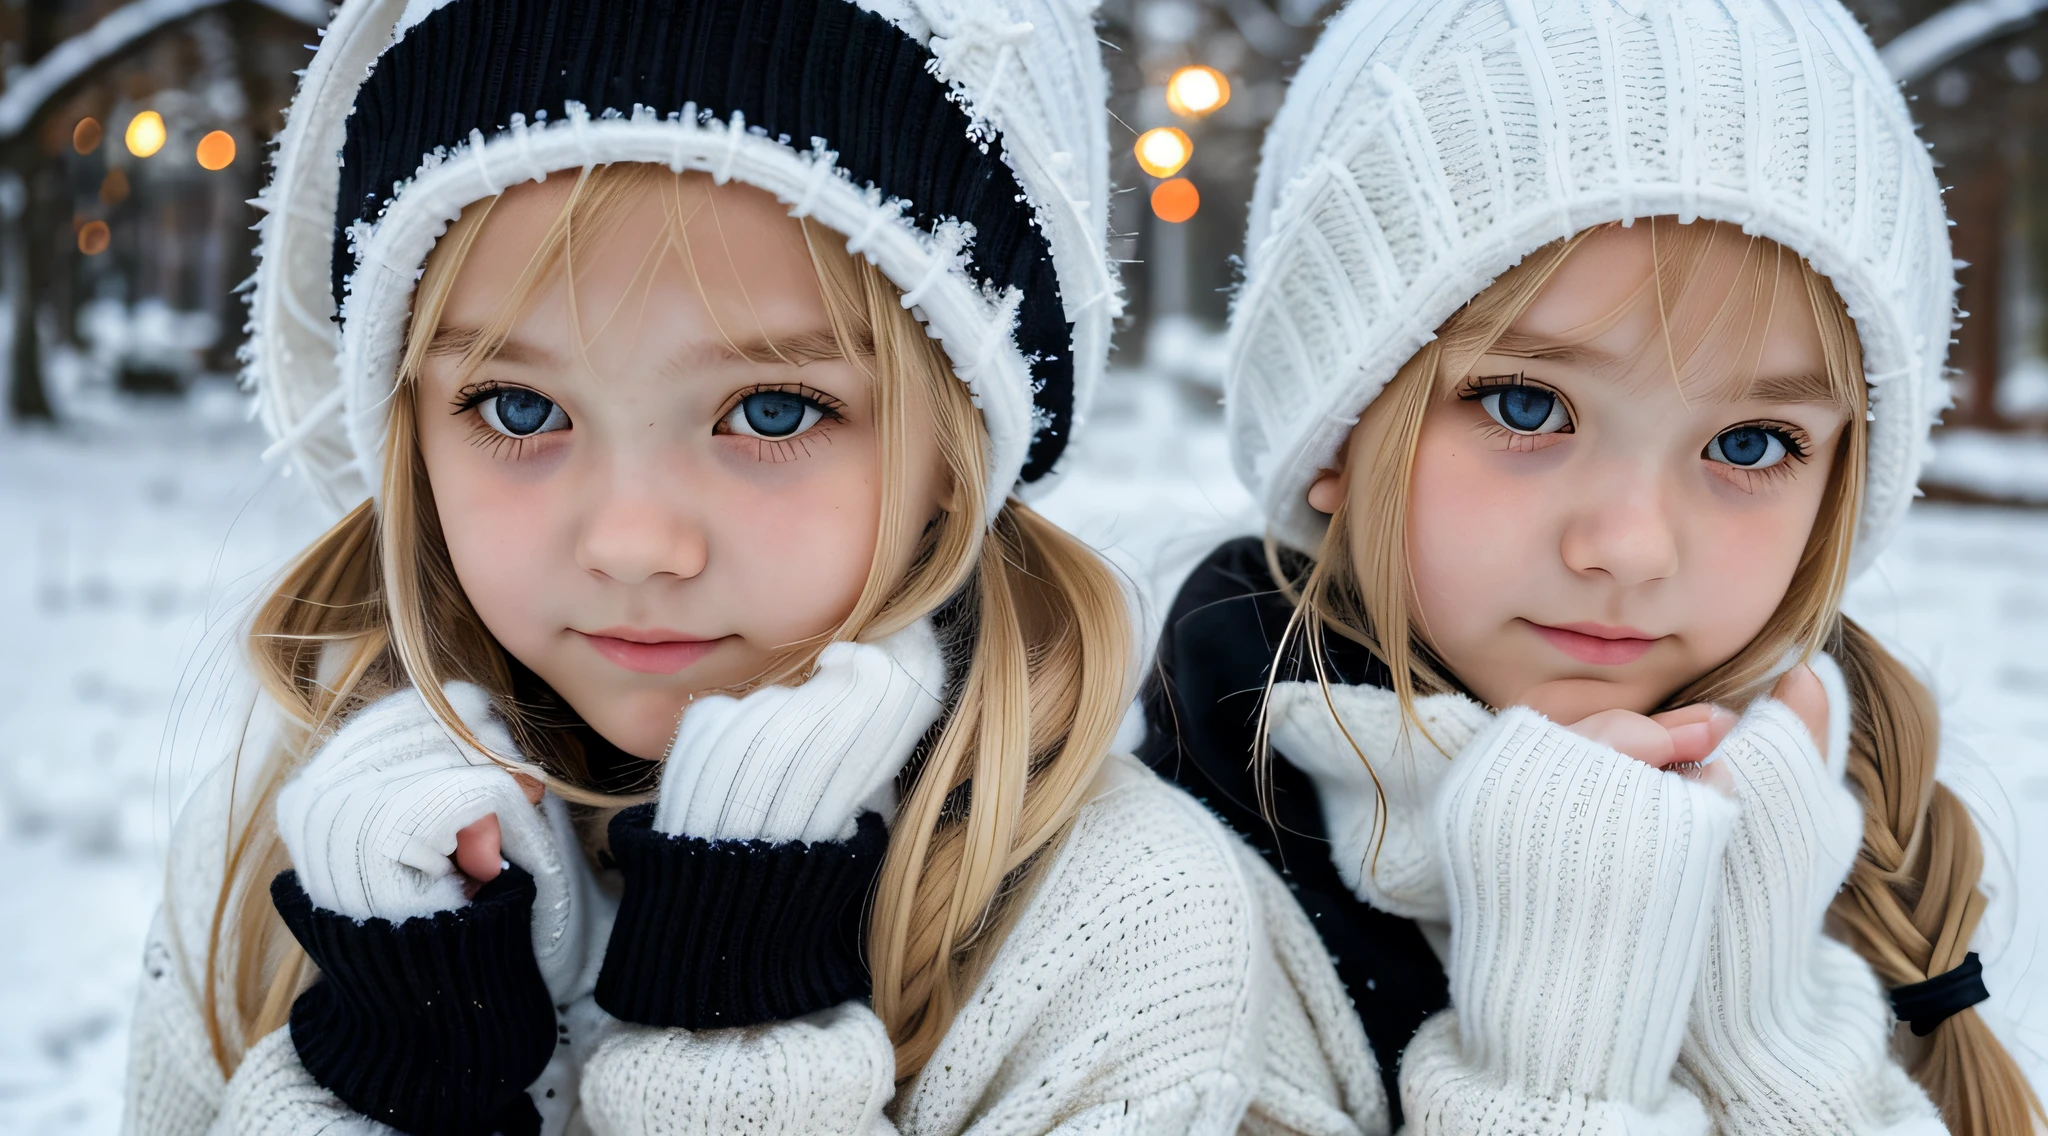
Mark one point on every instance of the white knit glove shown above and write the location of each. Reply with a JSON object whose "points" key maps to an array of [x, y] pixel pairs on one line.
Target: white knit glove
{"points": [[1581, 885], [1391, 864], [370, 822], [1790, 1032], [803, 762]]}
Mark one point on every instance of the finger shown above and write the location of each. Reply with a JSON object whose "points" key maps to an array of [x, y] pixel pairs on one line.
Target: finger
{"points": [[1697, 713], [1631, 733], [479, 850], [1801, 690], [531, 786]]}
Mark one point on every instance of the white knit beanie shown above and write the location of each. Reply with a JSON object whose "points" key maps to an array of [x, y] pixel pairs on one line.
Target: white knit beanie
{"points": [[959, 144], [1427, 146]]}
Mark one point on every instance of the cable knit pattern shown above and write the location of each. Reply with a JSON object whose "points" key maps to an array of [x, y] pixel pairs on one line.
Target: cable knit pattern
{"points": [[1389, 863], [1580, 891], [1789, 1028], [1157, 979], [1426, 146]]}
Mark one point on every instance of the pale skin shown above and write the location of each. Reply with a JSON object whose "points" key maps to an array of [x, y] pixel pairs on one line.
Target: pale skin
{"points": [[650, 509], [1588, 533]]}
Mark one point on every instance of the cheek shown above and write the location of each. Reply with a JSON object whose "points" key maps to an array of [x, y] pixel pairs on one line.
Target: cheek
{"points": [[797, 550], [1474, 532], [1741, 562], [500, 545]]}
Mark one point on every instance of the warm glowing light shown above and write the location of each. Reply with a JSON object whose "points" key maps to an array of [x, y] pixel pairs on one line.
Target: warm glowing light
{"points": [[85, 137], [93, 238], [1196, 91], [114, 187], [217, 150], [1175, 200], [145, 134], [1163, 150]]}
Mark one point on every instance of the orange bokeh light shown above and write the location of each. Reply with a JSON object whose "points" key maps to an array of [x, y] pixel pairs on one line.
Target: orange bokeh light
{"points": [[1196, 91], [217, 150], [85, 137], [1163, 150], [93, 238], [1176, 200]]}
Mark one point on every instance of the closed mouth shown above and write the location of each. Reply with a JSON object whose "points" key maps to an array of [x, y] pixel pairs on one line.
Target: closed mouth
{"points": [[1598, 644], [649, 651]]}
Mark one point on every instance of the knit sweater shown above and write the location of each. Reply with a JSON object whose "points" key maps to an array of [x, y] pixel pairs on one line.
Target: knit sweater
{"points": [[1157, 978], [1367, 846]]}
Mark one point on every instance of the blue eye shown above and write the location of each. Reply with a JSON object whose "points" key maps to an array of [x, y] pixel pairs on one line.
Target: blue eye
{"points": [[773, 414], [1749, 447], [1526, 409], [520, 413]]}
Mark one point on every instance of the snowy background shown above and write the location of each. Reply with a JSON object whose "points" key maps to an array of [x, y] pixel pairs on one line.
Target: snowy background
{"points": [[133, 538]]}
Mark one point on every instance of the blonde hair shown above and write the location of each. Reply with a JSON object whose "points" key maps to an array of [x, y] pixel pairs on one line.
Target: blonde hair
{"points": [[1911, 902], [374, 604]]}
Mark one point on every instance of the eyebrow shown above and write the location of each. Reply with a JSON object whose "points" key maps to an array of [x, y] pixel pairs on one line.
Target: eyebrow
{"points": [[804, 347], [1809, 387]]}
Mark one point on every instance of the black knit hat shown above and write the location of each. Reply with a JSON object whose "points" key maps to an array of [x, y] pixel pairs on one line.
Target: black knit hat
{"points": [[950, 151]]}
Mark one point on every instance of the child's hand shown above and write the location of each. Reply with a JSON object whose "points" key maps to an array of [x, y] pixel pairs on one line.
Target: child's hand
{"points": [[1802, 692], [1676, 740], [480, 848]]}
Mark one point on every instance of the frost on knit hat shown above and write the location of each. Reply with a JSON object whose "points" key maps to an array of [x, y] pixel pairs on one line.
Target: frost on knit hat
{"points": [[960, 146], [1427, 146]]}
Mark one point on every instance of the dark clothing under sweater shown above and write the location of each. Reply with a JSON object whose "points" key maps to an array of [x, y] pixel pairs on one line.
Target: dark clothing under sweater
{"points": [[1201, 710]]}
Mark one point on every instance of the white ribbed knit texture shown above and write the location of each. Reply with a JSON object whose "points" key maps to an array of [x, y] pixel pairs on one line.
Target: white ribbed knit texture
{"points": [[1387, 856], [1030, 68], [370, 821], [1157, 979], [1790, 1030], [1581, 883], [1426, 146], [801, 762]]}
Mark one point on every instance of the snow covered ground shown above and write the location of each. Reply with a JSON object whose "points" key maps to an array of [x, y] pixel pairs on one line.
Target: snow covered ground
{"points": [[128, 544]]}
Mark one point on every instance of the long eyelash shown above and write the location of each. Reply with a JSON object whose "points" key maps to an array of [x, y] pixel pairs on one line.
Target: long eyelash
{"points": [[484, 438], [473, 395], [481, 435], [786, 449], [1477, 387], [834, 410], [1797, 448]]}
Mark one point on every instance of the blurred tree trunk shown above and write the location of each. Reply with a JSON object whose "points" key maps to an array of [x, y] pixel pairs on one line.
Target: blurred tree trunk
{"points": [[27, 242]]}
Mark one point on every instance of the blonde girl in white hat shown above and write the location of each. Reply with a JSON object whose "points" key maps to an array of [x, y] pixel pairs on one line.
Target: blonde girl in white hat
{"points": [[673, 365], [1586, 351]]}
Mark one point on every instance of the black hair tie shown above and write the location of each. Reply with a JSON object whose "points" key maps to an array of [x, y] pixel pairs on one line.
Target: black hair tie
{"points": [[1925, 1005]]}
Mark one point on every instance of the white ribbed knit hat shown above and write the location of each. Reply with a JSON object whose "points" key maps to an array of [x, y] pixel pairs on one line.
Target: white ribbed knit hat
{"points": [[960, 144], [1428, 145]]}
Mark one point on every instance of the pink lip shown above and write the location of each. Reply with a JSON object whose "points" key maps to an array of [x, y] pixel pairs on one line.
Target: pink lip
{"points": [[655, 651], [1597, 643]]}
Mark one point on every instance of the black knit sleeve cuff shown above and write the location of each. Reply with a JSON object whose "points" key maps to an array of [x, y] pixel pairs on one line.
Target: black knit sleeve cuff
{"points": [[433, 1025], [735, 933]]}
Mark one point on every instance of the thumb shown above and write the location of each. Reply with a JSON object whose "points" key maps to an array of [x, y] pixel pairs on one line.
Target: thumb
{"points": [[479, 850]]}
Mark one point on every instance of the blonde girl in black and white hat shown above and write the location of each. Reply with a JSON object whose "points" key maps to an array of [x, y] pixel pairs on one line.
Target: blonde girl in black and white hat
{"points": [[1585, 352], [674, 365]]}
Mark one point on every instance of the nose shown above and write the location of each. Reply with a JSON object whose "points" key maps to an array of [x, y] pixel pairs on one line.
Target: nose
{"points": [[632, 537], [1623, 528]]}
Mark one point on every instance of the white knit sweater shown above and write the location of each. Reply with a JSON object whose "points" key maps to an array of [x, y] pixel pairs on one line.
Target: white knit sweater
{"points": [[1574, 933], [1158, 979]]}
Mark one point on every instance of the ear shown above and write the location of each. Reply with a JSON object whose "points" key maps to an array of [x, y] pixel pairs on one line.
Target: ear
{"points": [[1327, 491]]}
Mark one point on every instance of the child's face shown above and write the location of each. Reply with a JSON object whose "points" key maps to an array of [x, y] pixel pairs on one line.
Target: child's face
{"points": [[1586, 534], [638, 510]]}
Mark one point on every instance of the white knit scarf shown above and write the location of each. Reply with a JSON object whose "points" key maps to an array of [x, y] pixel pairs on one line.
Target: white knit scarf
{"points": [[1383, 758]]}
